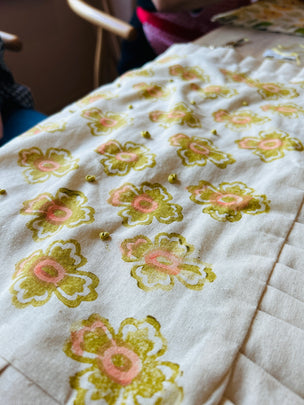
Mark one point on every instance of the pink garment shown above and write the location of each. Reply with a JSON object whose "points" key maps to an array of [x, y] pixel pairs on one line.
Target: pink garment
{"points": [[164, 29]]}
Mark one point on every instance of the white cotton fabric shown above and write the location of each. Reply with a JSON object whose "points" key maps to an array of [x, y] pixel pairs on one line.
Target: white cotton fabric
{"points": [[240, 339]]}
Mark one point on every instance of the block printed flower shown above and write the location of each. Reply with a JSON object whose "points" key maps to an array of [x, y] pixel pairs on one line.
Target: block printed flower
{"points": [[271, 91], [67, 208], [237, 77], [198, 151], [54, 272], [270, 146], [229, 201], [165, 260], [40, 167], [285, 110], [104, 123], [124, 367], [274, 91], [188, 73], [143, 204], [181, 114], [137, 72], [152, 91], [118, 159], [238, 120], [91, 98], [214, 91], [49, 127]]}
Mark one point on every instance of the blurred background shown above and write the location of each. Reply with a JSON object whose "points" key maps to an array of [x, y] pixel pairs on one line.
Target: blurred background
{"points": [[57, 58]]}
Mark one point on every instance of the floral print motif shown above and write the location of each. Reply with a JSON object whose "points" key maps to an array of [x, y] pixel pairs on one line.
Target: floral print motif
{"points": [[214, 91], [143, 204], [91, 98], [118, 159], [269, 15], [285, 110], [152, 91], [229, 201], [270, 91], [274, 91], [124, 367], [67, 208], [46, 127], [40, 167], [169, 258], [42, 275], [165, 59], [137, 72], [270, 146], [197, 151], [188, 73], [103, 123], [181, 114], [238, 120]]}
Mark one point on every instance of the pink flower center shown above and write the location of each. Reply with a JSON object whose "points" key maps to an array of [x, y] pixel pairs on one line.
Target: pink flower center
{"points": [[144, 203], [47, 165], [269, 144], [286, 109], [229, 199], [122, 365], [189, 76], [58, 213], [176, 114], [126, 156], [212, 89], [108, 122], [164, 261], [271, 88], [220, 116], [154, 91], [50, 271], [200, 149], [241, 120]]}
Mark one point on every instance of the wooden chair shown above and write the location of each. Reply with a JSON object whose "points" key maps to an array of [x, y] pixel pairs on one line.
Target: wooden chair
{"points": [[103, 21], [11, 41]]}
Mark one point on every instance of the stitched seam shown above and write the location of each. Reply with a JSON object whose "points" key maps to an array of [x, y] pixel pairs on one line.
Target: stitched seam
{"points": [[29, 379], [264, 291], [267, 372], [280, 320]]}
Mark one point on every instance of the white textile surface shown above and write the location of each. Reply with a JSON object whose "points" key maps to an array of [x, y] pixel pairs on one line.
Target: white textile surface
{"points": [[152, 240]]}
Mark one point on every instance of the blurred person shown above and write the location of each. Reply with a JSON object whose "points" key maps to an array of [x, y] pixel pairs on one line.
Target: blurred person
{"points": [[161, 23]]}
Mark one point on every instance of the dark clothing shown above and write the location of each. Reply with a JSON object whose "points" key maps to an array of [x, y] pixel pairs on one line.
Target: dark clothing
{"points": [[12, 95], [136, 53]]}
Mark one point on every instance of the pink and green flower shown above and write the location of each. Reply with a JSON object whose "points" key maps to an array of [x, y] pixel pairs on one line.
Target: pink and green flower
{"points": [[285, 110], [214, 91], [229, 201], [188, 73], [103, 123], [118, 159], [143, 204], [41, 166], [166, 260], [270, 146], [54, 272], [51, 213], [152, 91], [269, 90], [181, 114], [198, 151], [123, 367], [238, 120]]}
